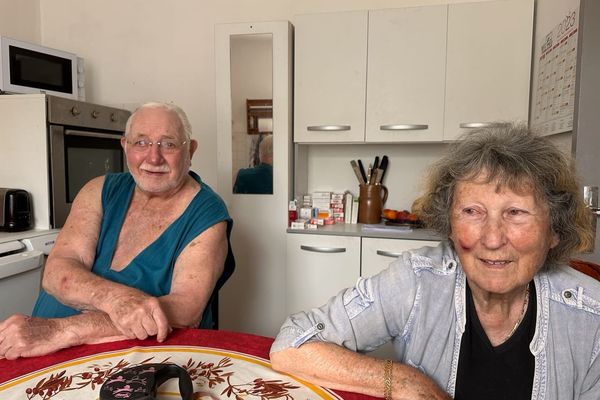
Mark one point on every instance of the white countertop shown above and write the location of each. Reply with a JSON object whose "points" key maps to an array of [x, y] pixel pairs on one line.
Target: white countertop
{"points": [[10, 236], [383, 231]]}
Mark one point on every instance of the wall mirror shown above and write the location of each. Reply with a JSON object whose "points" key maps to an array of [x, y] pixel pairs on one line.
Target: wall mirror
{"points": [[251, 73]]}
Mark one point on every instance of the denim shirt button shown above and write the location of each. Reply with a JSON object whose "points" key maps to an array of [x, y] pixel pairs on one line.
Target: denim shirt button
{"points": [[567, 294], [320, 326]]}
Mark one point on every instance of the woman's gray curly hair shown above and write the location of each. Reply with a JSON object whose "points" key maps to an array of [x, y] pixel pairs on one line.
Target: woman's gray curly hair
{"points": [[513, 157]]}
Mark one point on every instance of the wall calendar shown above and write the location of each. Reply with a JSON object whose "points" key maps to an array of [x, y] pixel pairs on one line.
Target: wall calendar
{"points": [[554, 79]]}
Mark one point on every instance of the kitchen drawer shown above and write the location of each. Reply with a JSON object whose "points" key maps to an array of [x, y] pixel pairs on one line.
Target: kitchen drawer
{"points": [[378, 254], [318, 267]]}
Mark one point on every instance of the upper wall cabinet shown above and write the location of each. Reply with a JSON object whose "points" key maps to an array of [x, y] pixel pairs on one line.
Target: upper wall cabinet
{"points": [[489, 64], [330, 77], [403, 91], [416, 74], [405, 74]]}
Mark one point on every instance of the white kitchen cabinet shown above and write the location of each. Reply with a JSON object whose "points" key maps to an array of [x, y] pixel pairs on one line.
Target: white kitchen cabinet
{"points": [[403, 92], [378, 254], [488, 65], [330, 77], [406, 74], [318, 267], [423, 74]]}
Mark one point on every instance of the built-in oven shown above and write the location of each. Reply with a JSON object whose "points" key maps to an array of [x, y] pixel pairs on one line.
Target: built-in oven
{"points": [[84, 142]]}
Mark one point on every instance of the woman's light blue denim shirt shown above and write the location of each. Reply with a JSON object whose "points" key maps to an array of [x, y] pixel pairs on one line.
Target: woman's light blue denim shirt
{"points": [[419, 304]]}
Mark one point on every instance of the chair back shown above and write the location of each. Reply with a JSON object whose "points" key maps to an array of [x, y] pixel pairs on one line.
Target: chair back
{"points": [[210, 316], [587, 267]]}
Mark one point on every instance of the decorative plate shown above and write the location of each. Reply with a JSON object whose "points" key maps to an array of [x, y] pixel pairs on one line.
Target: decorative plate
{"points": [[215, 373]]}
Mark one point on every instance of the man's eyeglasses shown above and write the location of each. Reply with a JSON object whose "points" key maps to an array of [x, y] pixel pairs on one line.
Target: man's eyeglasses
{"points": [[166, 146]]}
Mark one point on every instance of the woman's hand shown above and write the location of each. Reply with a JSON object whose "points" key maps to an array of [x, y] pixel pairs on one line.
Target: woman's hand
{"points": [[24, 336], [136, 314]]}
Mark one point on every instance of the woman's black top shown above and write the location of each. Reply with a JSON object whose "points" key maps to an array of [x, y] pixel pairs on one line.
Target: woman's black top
{"points": [[504, 372]]}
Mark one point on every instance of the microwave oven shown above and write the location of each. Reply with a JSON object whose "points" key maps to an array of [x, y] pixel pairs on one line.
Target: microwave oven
{"points": [[30, 68]]}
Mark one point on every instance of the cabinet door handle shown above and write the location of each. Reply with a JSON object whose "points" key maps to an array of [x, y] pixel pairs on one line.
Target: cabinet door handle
{"points": [[329, 128], [388, 253], [323, 249], [470, 125], [403, 127]]}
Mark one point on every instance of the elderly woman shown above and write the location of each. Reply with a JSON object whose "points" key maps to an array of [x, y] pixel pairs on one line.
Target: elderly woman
{"points": [[140, 253], [492, 313]]}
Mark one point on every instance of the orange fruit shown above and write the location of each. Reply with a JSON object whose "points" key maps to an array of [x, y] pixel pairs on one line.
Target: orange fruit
{"points": [[390, 214]]}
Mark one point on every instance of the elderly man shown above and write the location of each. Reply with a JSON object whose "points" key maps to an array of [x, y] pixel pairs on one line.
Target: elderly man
{"points": [[141, 252], [258, 179]]}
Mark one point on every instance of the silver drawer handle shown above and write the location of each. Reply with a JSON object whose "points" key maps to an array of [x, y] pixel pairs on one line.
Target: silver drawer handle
{"points": [[470, 125], [323, 249], [388, 253], [403, 127], [329, 128]]}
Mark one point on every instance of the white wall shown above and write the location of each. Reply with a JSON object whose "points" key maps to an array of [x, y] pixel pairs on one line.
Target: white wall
{"points": [[140, 50], [20, 19], [329, 168]]}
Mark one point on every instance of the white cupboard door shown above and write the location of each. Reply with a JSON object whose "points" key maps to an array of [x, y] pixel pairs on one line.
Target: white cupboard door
{"points": [[378, 254], [330, 77], [406, 74], [489, 62], [318, 267]]}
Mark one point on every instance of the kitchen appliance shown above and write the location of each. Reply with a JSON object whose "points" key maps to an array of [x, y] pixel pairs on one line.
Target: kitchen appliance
{"points": [[22, 257], [30, 68], [15, 210], [52, 146]]}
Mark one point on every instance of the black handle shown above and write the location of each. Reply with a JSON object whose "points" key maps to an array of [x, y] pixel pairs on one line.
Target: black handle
{"points": [[383, 166], [142, 381]]}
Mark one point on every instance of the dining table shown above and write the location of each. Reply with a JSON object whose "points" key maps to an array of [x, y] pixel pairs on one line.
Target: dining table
{"points": [[221, 364]]}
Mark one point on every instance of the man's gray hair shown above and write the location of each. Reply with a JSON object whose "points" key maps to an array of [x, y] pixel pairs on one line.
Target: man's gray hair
{"points": [[265, 149], [181, 116]]}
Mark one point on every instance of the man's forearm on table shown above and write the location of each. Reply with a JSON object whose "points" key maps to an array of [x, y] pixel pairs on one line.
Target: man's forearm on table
{"points": [[89, 327], [79, 288]]}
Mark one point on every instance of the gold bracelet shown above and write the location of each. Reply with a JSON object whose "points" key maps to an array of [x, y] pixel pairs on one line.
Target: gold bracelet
{"points": [[387, 380]]}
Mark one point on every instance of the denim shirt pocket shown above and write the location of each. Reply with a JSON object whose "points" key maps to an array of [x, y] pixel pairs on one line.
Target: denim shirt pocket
{"points": [[358, 299], [575, 297]]}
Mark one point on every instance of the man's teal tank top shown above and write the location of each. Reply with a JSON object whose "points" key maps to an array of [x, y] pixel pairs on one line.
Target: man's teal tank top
{"points": [[151, 271]]}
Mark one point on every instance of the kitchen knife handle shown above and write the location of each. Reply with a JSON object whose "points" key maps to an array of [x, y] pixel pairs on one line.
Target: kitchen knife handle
{"points": [[383, 166], [362, 171], [357, 172]]}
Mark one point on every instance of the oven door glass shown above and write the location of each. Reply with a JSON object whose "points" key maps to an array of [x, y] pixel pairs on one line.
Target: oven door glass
{"points": [[76, 156], [87, 158]]}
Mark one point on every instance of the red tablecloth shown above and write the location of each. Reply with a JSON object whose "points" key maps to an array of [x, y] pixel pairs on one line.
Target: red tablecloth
{"points": [[252, 345]]}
